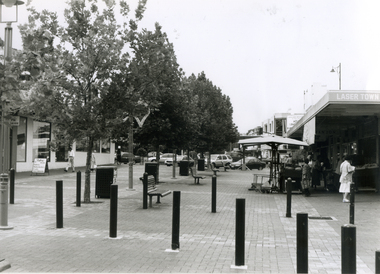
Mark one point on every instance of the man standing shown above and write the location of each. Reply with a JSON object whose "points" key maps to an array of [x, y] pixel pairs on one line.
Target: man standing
{"points": [[71, 160]]}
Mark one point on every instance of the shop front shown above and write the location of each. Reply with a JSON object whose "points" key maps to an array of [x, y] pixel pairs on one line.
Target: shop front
{"points": [[345, 123], [29, 140]]}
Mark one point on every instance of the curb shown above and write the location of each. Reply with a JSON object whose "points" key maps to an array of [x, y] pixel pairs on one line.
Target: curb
{"points": [[4, 265]]}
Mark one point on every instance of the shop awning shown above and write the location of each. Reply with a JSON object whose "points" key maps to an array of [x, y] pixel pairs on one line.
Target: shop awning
{"points": [[342, 108], [271, 140]]}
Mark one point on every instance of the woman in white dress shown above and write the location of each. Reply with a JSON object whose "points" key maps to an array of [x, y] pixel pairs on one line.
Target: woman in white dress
{"points": [[346, 170]]}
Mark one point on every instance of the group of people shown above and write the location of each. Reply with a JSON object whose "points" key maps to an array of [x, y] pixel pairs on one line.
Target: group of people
{"points": [[312, 171]]}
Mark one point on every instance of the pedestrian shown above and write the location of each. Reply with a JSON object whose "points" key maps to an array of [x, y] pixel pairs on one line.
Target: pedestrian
{"points": [[93, 161], [118, 155], [71, 160], [346, 170], [337, 172], [306, 178], [316, 172]]}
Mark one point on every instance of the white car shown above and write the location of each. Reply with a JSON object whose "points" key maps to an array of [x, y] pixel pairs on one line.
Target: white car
{"points": [[221, 160], [166, 157]]}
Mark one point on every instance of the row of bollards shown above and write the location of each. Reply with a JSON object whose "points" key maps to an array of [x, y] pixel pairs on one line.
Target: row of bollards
{"points": [[348, 232]]}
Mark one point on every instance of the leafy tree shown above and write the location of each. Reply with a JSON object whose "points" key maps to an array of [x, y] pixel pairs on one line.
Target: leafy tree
{"points": [[72, 68], [213, 111]]}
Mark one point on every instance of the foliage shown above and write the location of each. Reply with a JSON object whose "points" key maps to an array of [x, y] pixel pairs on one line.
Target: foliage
{"points": [[214, 129], [72, 67]]}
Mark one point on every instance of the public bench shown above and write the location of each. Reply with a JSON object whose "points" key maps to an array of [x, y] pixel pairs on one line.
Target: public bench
{"points": [[150, 189], [196, 177], [214, 169]]}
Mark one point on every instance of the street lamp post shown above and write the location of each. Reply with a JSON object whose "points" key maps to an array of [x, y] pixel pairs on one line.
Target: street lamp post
{"points": [[339, 70], [6, 16]]}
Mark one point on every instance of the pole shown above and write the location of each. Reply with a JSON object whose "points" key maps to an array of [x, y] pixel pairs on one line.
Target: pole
{"points": [[176, 219], [213, 195], [340, 76], [302, 243], [289, 198], [4, 202], [174, 161], [79, 187], [130, 149], [348, 249], [352, 204], [12, 187], [59, 203], [240, 232], [377, 262], [145, 190], [113, 212]]}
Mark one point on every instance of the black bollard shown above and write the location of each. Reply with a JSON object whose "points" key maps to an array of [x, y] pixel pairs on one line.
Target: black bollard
{"points": [[289, 198], [79, 187], [348, 249], [213, 195], [145, 190], [240, 232], [352, 204], [377, 262], [12, 187], [302, 243], [59, 205], [176, 219], [113, 211]]}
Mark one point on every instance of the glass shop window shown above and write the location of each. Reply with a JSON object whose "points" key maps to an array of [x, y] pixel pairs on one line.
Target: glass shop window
{"points": [[21, 140], [41, 140], [105, 146]]}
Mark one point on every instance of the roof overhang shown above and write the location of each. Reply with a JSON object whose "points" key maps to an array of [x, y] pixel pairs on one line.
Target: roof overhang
{"points": [[338, 104]]}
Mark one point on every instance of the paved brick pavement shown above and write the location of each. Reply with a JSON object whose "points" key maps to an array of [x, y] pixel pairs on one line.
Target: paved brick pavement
{"points": [[207, 240]]}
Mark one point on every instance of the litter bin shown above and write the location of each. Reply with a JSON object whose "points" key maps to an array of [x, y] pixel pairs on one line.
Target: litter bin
{"points": [[201, 164], [184, 168], [105, 177], [151, 169]]}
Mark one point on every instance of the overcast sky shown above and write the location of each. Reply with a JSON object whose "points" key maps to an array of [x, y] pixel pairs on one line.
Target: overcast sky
{"points": [[264, 54]]}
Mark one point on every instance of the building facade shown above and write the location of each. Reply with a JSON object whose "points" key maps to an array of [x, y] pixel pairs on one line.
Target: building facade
{"points": [[345, 122], [26, 139]]}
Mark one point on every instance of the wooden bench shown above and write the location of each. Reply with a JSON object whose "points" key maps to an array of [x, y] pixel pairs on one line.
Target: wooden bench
{"points": [[150, 189], [196, 177]]}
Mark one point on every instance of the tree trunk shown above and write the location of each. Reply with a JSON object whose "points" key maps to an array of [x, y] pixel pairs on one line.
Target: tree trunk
{"points": [[87, 183]]}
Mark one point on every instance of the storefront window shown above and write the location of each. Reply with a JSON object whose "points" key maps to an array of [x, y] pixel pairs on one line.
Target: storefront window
{"points": [[105, 146], [61, 154], [81, 145], [41, 140], [96, 147], [21, 140]]}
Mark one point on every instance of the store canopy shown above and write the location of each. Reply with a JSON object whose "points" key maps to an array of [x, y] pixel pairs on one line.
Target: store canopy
{"points": [[272, 140]]}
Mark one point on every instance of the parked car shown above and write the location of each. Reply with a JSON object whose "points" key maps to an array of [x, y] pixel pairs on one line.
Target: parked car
{"points": [[166, 157], [181, 158], [255, 164], [237, 164], [152, 156], [125, 158], [221, 160]]}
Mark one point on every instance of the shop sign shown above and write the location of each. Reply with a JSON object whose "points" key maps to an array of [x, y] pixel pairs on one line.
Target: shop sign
{"points": [[14, 121], [354, 96]]}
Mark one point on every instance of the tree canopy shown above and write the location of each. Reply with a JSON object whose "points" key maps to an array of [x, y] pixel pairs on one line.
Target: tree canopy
{"points": [[92, 73]]}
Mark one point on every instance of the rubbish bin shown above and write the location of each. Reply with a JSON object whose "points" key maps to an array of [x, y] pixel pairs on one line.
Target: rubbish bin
{"points": [[105, 176], [201, 164], [184, 168], [151, 169]]}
